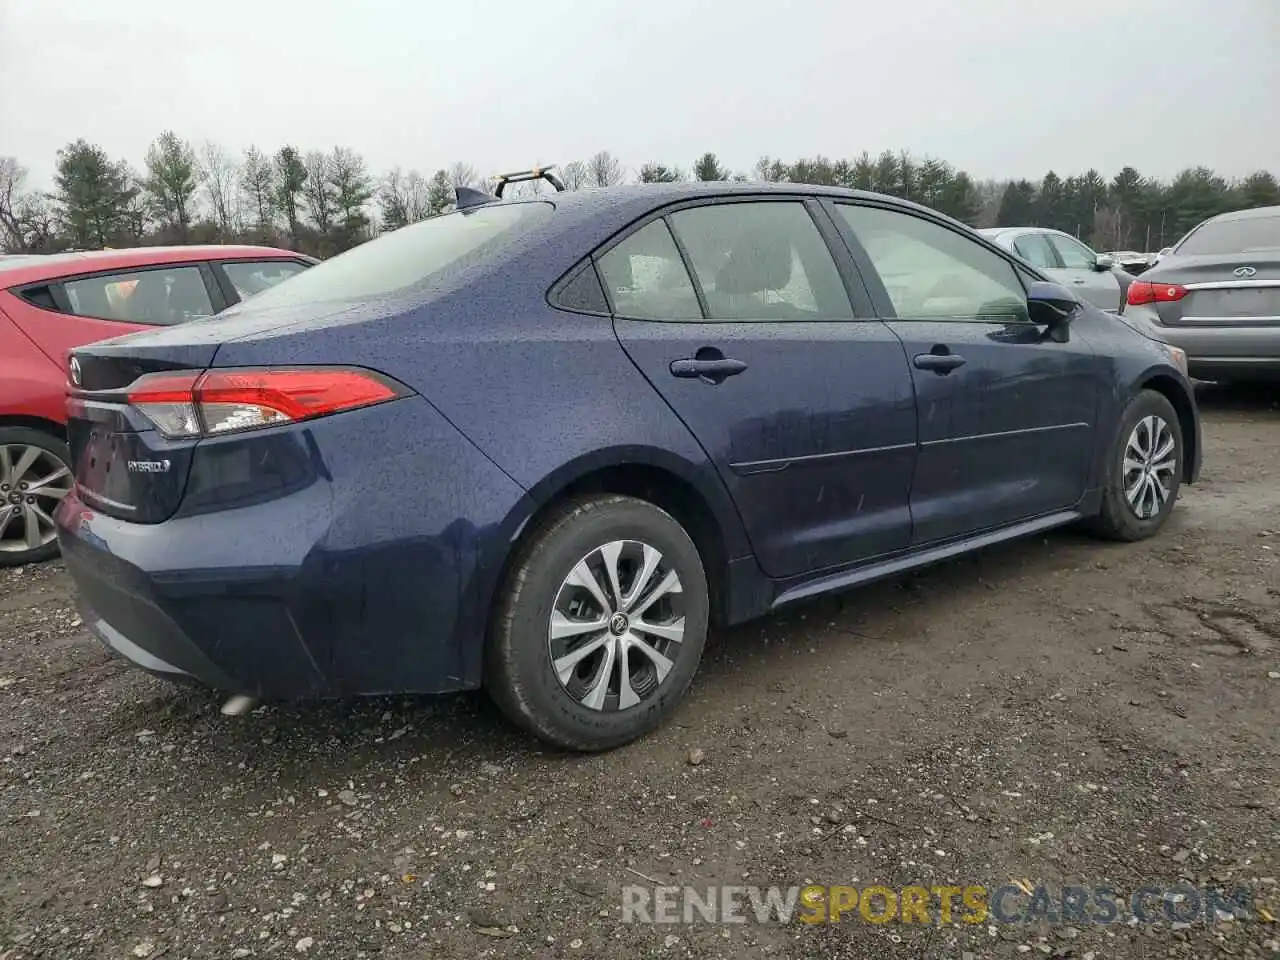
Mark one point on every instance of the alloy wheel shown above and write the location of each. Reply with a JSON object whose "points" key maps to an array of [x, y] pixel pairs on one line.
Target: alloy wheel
{"points": [[32, 481], [1150, 459], [617, 626]]}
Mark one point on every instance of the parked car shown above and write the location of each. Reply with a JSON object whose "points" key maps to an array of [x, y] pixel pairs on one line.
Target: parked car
{"points": [[1216, 294], [540, 445], [1093, 276], [51, 303]]}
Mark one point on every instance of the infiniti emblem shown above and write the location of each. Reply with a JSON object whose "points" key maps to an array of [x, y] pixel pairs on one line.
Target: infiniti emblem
{"points": [[1245, 273], [75, 371]]}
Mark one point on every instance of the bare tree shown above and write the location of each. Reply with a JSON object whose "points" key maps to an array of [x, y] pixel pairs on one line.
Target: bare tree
{"points": [[403, 198], [463, 175], [318, 192], [604, 170], [220, 173], [257, 178], [38, 221], [12, 177], [575, 175]]}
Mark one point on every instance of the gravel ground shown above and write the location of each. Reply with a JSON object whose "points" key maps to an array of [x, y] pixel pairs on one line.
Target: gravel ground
{"points": [[1055, 710]]}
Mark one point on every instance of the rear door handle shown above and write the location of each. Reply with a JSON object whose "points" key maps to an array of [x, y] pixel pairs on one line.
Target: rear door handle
{"points": [[709, 371], [1079, 280], [941, 363]]}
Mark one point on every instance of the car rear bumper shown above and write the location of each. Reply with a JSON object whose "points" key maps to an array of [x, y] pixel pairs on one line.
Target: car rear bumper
{"points": [[373, 578], [1219, 351]]}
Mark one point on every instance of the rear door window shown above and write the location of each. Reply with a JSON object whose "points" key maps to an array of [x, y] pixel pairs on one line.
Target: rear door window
{"points": [[161, 296], [1037, 251], [762, 261], [645, 277]]}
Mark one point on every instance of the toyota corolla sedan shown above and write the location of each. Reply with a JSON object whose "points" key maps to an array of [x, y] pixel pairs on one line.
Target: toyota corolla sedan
{"points": [[1216, 294], [541, 445]]}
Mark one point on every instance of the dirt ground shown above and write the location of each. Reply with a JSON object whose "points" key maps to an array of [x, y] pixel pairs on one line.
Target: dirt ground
{"points": [[1056, 710]]}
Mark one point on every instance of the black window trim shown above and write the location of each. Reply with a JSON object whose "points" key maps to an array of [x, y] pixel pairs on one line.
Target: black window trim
{"points": [[228, 289], [1023, 271], [860, 300], [62, 301]]}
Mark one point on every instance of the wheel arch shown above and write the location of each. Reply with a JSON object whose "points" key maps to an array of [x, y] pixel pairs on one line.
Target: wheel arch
{"points": [[51, 427], [1184, 406], [692, 493]]}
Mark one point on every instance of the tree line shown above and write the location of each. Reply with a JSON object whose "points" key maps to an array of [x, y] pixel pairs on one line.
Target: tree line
{"points": [[324, 201]]}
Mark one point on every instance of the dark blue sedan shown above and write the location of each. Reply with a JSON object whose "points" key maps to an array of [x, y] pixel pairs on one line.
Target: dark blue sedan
{"points": [[540, 445]]}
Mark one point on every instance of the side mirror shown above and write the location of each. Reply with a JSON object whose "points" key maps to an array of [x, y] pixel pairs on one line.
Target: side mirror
{"points": [[1051, 305], [1103, 263]]}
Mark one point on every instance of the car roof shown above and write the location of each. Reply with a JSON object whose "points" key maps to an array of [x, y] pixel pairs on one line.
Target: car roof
{"points": [[24, 270], [657, 194], [1254, 213], [1015, 231]]}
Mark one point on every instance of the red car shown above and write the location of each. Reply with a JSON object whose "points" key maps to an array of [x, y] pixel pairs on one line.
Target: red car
{"points": [[50, 304]]}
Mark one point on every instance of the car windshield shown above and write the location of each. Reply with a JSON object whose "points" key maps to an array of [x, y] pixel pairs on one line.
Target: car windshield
{"points": [[406, 257], [1232, 236]]}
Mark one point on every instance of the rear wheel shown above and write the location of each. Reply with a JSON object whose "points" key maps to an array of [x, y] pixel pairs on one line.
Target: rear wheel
{"points": [[34, 476], [600, 625], [1144, 470]]}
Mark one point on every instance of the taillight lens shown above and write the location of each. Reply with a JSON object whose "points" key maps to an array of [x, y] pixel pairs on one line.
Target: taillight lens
{"points": [[225, 401], [1144, 291]]}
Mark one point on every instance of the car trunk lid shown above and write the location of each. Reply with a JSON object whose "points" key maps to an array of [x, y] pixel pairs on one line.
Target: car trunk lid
{"points": [[123, 465], [1221, 290]]}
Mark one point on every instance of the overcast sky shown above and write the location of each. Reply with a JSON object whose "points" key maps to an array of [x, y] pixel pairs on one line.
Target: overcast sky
{"points": [[1000, 87]]}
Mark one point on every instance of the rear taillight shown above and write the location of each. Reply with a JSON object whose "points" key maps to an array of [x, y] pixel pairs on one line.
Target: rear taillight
{"points": [[217, 402], [1144, 291]]}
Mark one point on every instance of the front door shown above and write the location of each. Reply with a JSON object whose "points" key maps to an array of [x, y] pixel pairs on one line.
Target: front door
{"points": [[1007, 416], [747, 330], [1081, 275]]}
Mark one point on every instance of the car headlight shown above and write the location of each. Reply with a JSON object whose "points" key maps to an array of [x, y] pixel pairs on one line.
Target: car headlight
{"points": [[1178, 356]]}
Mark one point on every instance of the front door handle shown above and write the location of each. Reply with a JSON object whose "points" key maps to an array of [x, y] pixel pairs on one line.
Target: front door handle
{"points": [[709, 370], [1079, 280], [940, 363]]}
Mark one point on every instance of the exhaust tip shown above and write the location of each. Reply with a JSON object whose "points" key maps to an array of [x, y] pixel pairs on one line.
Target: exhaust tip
{"points": [[238, 705]]}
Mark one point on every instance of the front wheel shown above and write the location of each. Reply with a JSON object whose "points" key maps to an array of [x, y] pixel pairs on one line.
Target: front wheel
{"points": [[1144, 470], [34, 476], [600, 625]]}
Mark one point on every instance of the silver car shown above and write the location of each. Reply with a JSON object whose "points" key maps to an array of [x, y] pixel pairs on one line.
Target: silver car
{"points": [[1216, 294], [1092, 276]]}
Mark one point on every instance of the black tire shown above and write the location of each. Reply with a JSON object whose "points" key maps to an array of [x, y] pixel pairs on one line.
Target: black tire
{"points": [[519, 673], [26, 436], [1117, 520]]}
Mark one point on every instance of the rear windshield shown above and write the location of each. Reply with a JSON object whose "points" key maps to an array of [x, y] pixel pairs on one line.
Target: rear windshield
{"points": [[1233, 236], [406, 257]]}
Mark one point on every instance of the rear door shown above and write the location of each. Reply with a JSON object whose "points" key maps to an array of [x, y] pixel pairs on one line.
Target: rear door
{"points": [[1007, 416], [1080, 269], [737, 313]]}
